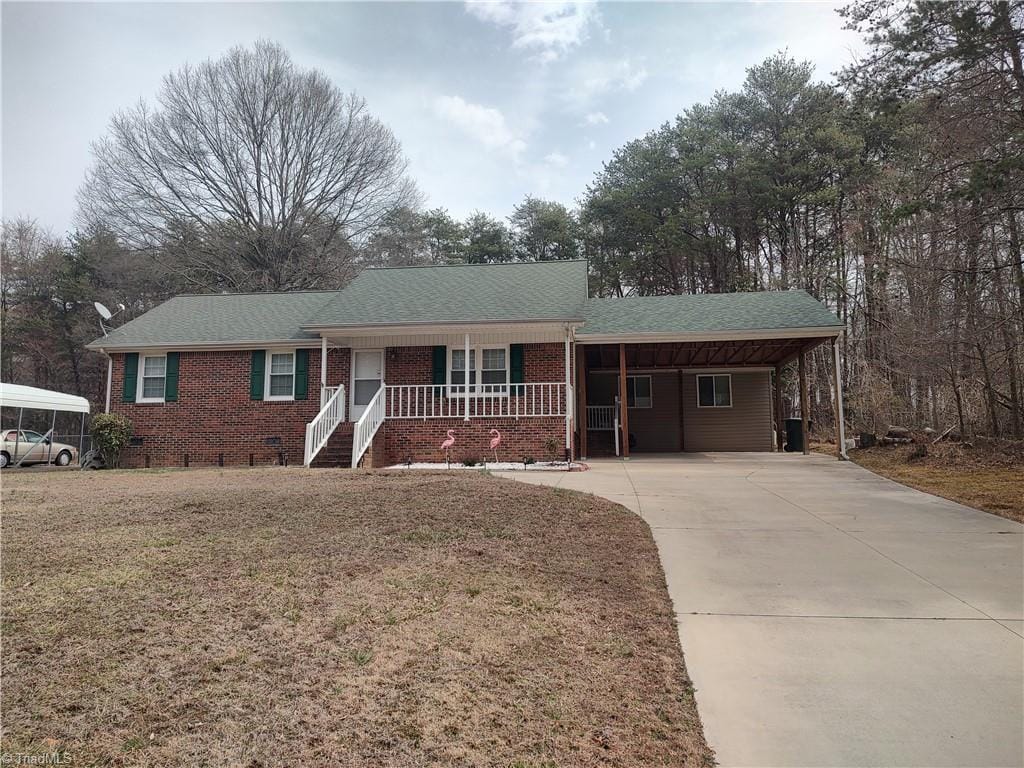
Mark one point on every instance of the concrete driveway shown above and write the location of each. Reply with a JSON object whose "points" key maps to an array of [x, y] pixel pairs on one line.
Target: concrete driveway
{"points": [[831, 617]]}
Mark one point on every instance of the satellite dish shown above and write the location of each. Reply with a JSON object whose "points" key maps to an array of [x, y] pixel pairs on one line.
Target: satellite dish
{"points": [[104, 312]]}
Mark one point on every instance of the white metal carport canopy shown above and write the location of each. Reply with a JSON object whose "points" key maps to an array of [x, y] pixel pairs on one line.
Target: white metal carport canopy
{"points": [[21, 397]]}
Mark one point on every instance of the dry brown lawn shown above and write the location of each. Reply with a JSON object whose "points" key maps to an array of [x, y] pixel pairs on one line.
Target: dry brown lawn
{"points": [[287, 617], [982, 477]]}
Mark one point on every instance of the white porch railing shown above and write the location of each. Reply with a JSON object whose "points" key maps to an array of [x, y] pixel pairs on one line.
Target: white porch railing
{"points": [[601, 417], [326, 393], [429, 401], [320, 429], [367, 426]]}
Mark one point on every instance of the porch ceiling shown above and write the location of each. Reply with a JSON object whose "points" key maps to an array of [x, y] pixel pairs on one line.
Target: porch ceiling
{"points": [[703, 354]]}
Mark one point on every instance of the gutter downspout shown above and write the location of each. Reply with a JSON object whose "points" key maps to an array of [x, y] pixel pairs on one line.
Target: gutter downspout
{"points": [[110, 374]]}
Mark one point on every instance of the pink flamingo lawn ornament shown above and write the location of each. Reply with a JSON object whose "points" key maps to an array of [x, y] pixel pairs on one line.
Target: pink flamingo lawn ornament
{"points": [[495, 442], [446, 446]]}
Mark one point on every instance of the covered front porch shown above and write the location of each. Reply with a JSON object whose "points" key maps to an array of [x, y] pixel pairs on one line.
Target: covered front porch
{"points": [[696, 394]]}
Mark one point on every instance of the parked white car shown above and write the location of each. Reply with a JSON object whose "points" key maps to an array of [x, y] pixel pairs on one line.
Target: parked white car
{"points": [[33, 448]]}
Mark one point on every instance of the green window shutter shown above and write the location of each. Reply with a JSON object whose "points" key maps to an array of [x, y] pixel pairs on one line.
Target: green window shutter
{"points": [[130, 381], [301, 373], [440, 363], [516, 370], [259, 359], [171, 378]]}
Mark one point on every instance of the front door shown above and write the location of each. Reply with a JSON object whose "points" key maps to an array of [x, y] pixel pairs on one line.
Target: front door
{"points": [[367, 376]]}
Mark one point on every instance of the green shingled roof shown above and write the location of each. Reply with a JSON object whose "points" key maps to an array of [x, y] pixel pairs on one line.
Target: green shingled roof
{"points": [[221, 318], [466, 293], [522, 292], [704, 313]]}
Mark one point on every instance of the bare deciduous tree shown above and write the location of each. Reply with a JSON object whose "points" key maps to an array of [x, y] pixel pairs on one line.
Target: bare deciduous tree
{"points": [[249, 174]]}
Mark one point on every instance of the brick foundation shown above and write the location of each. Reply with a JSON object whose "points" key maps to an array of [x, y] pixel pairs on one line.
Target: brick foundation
{"points": [[420, 439]]}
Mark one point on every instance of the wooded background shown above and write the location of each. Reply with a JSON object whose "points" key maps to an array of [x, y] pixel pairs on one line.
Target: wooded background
{"points": [[892, 193]]}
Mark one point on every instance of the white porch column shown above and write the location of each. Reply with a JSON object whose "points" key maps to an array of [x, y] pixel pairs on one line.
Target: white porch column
{"points": [[323, 364], [569, 394], [465, 406], [841, 426]]}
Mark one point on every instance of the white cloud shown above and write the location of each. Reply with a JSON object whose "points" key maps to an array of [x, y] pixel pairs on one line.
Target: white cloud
{"points": [[595, 118], [550, 28], [556, 159], [485, 125], [591, 144], [593, 78]]}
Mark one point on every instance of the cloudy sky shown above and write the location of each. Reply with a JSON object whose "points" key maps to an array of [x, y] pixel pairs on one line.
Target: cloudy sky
{"points": [[490, 101]]}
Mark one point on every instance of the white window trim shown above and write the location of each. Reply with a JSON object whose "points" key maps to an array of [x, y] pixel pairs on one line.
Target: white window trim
{"points": [[712, 376], [266, 374], [478, 350], [650, 388], [140, 383]]}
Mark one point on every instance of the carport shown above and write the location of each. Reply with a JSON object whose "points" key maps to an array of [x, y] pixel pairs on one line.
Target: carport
{"points": [[25, 398], [698, 373]]}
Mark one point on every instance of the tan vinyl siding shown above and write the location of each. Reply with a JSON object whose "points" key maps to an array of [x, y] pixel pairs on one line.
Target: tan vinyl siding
{"points": [[655, 428], [746, 426]]}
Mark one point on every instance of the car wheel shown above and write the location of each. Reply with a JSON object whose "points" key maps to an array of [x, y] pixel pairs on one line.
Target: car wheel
{"points": [[63, 459], [5, 459]]}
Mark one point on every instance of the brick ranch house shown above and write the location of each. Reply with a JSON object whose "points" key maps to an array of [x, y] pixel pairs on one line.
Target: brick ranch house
{"points": [[378, 372]]}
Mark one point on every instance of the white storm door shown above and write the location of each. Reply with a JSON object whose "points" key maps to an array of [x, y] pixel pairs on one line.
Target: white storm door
{"points": [[367, 376]]}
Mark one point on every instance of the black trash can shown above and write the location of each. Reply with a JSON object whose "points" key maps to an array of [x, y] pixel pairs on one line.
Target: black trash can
{"points": [[795, 435]]}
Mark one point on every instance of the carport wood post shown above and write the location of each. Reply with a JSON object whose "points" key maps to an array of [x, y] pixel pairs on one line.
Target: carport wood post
{"points": [[780, 436], [803, 401], [581, 386], [623, 409]]}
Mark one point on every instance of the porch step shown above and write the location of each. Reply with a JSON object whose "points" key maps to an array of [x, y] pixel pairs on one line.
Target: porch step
{"points": [[338, 451]]}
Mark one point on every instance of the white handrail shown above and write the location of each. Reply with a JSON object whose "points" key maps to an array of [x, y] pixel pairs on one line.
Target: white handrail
{"points": [[367, 426], [446, 401], [601, 417], [325, 394], [320, 429]]}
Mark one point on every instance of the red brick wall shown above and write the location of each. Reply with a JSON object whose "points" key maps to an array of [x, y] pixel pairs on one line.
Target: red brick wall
{"points": [[214, 415], [420, 439]]}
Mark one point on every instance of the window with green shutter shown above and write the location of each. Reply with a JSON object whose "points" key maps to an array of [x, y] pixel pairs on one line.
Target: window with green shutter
{"points": [[171, 378], [517, 370], [301, 374], [130, 380], [257, 371], [440, 361]]}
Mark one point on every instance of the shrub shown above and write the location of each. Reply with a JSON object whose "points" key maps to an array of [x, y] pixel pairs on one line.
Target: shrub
{"points": [[110, 435], [529, 460], [470, 461], [551, 446]]}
